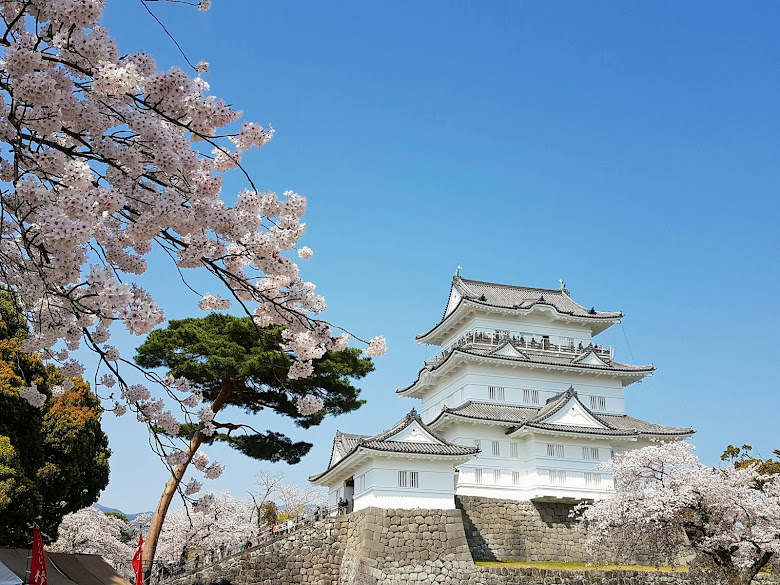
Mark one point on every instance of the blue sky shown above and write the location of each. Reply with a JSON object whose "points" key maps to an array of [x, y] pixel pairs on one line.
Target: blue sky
{"points": [[630, 148]]}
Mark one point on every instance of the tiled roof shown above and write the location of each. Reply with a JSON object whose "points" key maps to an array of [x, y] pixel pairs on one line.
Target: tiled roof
{"points": [[530, 357], [556, 360], [520, 416], [623, 421], [523, 297], [345, 442], [345, 445], [419, 448]]}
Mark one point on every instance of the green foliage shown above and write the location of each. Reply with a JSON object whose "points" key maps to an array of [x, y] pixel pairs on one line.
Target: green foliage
{"points": [[742, 457], [54, 459], [210, 349], [269, 513]]}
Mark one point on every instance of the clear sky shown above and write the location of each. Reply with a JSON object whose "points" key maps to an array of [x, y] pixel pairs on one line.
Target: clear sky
{"points": [[630, 148]]}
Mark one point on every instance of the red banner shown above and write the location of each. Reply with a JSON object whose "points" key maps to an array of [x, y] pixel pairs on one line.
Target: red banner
{"points": [[38, 563], [138, 562]]}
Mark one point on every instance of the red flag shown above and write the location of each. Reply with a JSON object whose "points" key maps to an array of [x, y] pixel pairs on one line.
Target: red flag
{"points": [[38, 564], [138, 562]]}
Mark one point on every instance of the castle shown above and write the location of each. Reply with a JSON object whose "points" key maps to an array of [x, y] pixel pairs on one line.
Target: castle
{"points": [[521, 405]]}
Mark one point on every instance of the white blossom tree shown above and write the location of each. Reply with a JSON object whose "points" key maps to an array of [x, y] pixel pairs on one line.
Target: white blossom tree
{"points": [[731, 517], [213, 521], [290, 499], [109, 159], [90, 531]]}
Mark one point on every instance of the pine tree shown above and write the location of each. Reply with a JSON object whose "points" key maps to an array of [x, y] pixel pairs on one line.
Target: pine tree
{"points": [[233, 362]]}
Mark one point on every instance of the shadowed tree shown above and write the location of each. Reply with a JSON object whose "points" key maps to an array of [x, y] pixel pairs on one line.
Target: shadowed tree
{"points": [[53, 458], [232, 362]]}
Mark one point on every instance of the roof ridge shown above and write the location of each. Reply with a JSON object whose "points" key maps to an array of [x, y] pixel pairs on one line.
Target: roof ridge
{"points": [[503, 285]]}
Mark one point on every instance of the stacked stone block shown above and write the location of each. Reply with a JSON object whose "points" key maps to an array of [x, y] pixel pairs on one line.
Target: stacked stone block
{"points": [[500, 530], [312, 555], [406, 546], [426, 547]]}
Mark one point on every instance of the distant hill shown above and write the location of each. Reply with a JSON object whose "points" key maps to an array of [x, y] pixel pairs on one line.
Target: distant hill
{"points": [[130, 517]]}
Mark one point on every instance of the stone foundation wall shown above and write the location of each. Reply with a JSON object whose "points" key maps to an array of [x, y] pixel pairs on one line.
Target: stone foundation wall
{"points": [[371, 547], [500, 530], [396, 547], [425, 547], [518, 576], [313, 555]]}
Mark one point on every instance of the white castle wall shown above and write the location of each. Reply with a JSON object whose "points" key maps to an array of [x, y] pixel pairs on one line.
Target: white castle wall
{"points": [[376, 484], [474, 384], [532, 463]]}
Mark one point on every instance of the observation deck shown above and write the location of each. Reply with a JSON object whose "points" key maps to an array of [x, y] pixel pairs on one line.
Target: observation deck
{"points": [[538, 344]]}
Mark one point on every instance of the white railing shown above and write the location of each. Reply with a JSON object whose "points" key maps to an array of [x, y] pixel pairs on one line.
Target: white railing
{"points": [[523, 341]]}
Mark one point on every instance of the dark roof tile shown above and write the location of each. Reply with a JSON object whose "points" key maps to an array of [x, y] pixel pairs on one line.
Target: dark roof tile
{"points": [[345, 444]]}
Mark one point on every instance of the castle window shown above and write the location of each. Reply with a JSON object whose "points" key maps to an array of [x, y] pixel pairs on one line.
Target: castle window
{"points": [[566, 341], [477, 443], [361, 481], [593, 480], [555, 451], [598, 403], [408, 479], [496, 448], [531, 396], [496, 393], [513, 450], [477, 476], [497, 476], [557, 477], [590, 453], [515, 478]]}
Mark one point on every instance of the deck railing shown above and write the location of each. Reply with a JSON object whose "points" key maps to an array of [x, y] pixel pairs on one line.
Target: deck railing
{"points": [[482, 339]]}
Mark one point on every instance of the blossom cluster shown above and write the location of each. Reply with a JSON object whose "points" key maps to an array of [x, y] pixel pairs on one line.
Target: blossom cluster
{"points": [[113, 158], [90, 531], [211, 302], [664, 492], [32, 396], [309, 404], [376, 346], [204, 504], [111, 164], [193, 487]]}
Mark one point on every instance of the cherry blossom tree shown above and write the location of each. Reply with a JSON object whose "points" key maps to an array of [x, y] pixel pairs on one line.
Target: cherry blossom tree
{"points": [[90, 531], [108, 159], [731, 517], [215, 520], [289, 499]]}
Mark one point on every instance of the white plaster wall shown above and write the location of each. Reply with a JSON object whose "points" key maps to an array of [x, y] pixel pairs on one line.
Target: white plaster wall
{"points": [[335, 493], [473, 384], [391, 499], [532, 464], [435, 484]]}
